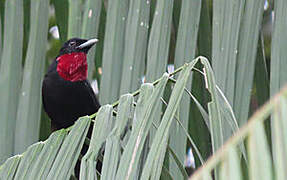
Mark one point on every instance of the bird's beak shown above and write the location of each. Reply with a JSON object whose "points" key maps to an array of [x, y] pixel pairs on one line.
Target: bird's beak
{"points": [[89, 43]]}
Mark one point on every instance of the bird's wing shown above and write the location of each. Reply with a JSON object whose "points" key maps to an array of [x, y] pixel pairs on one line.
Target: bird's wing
{"points": [[96, 104]]}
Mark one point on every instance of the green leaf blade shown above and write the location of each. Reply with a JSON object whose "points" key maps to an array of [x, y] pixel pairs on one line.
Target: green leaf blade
{"points": [[10, 74], [247, 50], [28, 116], [70, 150], [113, 147], [259, 154], [185, 51], [154, 162], [75, 19], [135, 45], [131, 155], [90, 28], [113, 51], [159, 40], [101, 128], [279, 143]]}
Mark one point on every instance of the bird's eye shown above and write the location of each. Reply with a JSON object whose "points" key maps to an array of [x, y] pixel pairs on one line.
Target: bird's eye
{"points": [[72, 43]]}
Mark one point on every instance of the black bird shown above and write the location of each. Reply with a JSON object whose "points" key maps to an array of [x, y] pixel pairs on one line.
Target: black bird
{"points": [[66, 92]]}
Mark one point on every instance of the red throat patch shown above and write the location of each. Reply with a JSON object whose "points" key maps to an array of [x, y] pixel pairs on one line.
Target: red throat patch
{"points": [[73, 66]]}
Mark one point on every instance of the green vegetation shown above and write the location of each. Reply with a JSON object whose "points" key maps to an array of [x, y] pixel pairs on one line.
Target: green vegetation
{"points": [[147, 128]]}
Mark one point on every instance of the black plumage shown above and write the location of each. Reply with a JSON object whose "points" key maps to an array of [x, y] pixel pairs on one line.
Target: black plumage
{"points": [[63, 100]]}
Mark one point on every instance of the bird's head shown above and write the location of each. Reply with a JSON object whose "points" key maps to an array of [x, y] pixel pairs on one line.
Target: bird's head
{"points": [[75, 45], [72, 59]]}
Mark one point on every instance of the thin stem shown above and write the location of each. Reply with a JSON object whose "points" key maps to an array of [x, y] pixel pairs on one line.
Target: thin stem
{"points": [[197, 70]]}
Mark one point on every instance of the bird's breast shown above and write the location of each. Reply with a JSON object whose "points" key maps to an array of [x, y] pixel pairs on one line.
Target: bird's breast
{"points": [[73, 66]]}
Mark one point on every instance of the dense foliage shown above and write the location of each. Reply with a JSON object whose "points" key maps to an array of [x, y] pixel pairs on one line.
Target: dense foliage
{"points": [[159, 116]]}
